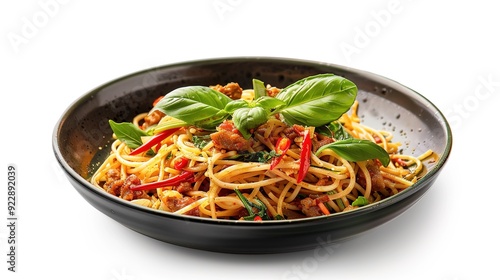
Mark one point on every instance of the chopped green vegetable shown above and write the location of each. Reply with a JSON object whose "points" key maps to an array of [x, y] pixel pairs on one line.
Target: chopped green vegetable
{"points": [[201, 141], [260, 156], [339, 201], [360, 201], [260, 206]]}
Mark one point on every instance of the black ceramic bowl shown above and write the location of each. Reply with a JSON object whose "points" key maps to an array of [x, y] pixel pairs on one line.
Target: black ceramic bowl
{"points": [[83, 130]]}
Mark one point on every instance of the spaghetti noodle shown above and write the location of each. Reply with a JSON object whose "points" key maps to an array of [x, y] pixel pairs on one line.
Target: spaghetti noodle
{"points": [[219, 174]]}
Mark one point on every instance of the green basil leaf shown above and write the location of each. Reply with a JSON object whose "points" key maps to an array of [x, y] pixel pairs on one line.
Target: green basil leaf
{"points": [[195, 105], [268, 102], [324, 130], [259, 88], [128, 133], [360, 201], [334, 130], [247, 118], [317, 100], [233, 105], [339, 133], [357, 150]]}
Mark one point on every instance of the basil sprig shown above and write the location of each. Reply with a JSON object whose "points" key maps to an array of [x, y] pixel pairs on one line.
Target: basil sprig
{"points": [[312, 101]]}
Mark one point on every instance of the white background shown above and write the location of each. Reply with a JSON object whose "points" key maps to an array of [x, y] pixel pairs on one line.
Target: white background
{"points": [[52, 52]]}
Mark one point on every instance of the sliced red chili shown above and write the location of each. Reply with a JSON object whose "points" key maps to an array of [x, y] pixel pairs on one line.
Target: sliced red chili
{"points": [[281, 147], [174, 181], [399, 161], [305, 156], [157, 100], [181, 163], [153, 141]]}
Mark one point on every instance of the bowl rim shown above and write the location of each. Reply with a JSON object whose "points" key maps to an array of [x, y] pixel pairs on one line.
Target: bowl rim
{"points": [[414, 95]]}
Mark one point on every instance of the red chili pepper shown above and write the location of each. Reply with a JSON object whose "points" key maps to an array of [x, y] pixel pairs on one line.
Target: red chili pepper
{"points": [[153, 141], [181, 163], [281, 148], [174, 181], [157, 100], [305, 156], [399, 161]]}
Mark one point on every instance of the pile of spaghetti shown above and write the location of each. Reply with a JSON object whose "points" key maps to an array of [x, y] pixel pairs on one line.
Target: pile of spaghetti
{"points": [[264, 153]]}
